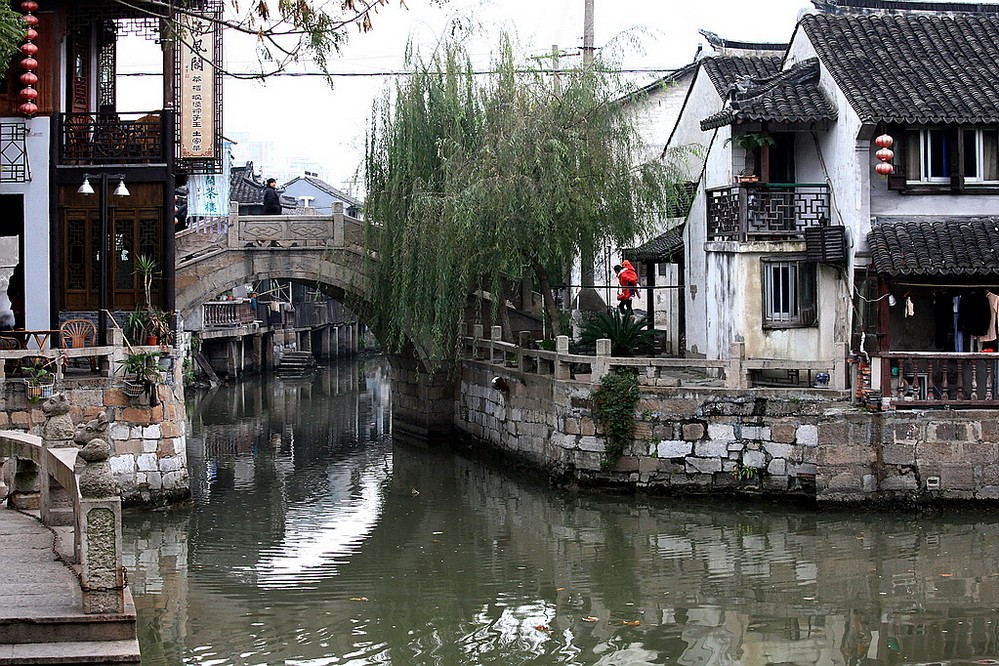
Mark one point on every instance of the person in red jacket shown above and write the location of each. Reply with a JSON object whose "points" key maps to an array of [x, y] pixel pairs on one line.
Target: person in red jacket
{"points": [[627, 278]]}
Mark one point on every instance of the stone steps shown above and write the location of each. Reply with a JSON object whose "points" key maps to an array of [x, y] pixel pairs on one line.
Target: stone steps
{"points": [[296, 362], [72, 652]]}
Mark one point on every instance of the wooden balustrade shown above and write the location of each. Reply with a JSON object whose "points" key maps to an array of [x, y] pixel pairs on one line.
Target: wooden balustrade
{"points": [[227, 313], [766, 211], [919, 379]]}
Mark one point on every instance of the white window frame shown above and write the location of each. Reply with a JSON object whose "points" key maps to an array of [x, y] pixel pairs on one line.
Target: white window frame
{"points": [[780, 274], [925, 159]]}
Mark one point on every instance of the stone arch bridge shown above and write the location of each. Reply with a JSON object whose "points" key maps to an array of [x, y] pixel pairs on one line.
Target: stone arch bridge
{"points": [[327, 250], [324, 250]]}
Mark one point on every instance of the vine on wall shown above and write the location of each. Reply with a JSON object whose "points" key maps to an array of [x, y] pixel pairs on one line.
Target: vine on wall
{"points": [[614, 404]]}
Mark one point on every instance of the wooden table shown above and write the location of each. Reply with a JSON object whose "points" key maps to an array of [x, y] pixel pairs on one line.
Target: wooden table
{"points": [[41, 338]]}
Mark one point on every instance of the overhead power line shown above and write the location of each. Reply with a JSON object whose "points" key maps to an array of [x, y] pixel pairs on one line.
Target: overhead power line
{"points": [[483, 72]]}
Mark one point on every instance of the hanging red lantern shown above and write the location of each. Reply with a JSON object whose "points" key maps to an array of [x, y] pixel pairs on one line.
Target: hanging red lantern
{"points": [[884, 141], [885, 154], [884, 169], [29, 94]]}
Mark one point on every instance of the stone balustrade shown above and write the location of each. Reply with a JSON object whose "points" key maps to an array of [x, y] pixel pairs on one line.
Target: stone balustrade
{"points": [[65, 474]]}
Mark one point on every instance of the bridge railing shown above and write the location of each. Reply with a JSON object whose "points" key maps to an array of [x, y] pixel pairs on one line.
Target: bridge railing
{"points": [[269, 233], [86, 499]]}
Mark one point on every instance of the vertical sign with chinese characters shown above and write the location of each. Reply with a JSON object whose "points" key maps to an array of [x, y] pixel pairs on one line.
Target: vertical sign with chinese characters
{"points": [[197, 88]]}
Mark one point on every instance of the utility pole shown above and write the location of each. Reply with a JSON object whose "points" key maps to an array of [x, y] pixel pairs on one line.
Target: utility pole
{"points": [[588, 32], [589, 301]]}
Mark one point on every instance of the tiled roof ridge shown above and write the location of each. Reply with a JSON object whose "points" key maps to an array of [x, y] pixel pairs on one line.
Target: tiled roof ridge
{"points": [[890, 6], [749, 88], [720, 42], [720, 68]]}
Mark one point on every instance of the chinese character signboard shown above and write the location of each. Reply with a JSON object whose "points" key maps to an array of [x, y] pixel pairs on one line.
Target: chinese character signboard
{"points": [[198, 88]]}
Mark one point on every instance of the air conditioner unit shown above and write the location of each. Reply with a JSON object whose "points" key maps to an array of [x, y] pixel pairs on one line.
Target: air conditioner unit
{"points": [[826, 245]]}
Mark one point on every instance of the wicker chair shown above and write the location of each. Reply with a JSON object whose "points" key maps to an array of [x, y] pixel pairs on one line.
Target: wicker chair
{"points": [[77, 334]]}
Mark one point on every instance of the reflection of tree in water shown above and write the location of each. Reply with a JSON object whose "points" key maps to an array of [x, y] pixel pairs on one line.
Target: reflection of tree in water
{"points": [[461, 561]]}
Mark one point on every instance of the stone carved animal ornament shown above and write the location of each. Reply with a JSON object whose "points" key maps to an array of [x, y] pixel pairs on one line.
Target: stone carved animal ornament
{"points": [[58, 429], [96, 479]]}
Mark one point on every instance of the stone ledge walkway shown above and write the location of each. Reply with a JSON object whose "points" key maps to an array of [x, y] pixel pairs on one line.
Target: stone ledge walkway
{"points": [[34, 583]]}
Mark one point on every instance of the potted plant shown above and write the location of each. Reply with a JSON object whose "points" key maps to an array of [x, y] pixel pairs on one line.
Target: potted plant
{"points": [[135, 325], [39, 383], [751, 142], [158, 329], [148, 323], [142, 374]]}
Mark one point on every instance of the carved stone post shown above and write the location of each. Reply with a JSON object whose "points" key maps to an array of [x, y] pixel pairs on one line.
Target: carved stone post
{"points": [[102, 578], [9, 259], [56, 505]]}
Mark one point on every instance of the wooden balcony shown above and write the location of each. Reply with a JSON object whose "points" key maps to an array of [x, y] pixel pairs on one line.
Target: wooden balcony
{"points": [[766, 211], [106, 138], [939, 379]]}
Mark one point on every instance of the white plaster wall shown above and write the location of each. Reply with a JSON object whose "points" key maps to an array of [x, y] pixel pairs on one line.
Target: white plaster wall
{"points": [[37, 271], [890, 202], [653, 115]]}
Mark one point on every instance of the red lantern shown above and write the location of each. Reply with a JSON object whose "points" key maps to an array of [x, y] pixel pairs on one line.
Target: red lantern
{"points": [[31, 20], [28, 79], [884, 169], [29, 49], [29, 94], [29, 63], [28, 109], [884, 141], [29, 6], [885, 154], [31, 34]]}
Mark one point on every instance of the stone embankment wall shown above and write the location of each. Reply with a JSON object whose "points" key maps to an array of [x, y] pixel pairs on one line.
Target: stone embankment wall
{"points": [[149, 444], [714, 440]]}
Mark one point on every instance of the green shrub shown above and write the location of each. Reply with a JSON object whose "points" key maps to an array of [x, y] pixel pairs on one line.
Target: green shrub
{"points": [[614, 403], [628, 335]]}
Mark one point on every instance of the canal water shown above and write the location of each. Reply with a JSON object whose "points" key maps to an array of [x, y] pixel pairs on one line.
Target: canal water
{"points": [[312, 539]]}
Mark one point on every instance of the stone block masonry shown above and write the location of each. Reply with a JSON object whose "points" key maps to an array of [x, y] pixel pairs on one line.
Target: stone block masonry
{"points": [[702, 440], [149, 443]]}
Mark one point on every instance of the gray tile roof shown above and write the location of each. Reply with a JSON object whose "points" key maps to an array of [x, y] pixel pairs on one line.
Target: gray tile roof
{"points": [[323, 186], [666, 246], [956, 247], [912, 67], [244, 186], [787, 96]]}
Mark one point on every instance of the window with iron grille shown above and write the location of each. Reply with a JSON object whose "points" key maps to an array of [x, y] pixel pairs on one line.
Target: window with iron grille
{"points": [[788, 293]]}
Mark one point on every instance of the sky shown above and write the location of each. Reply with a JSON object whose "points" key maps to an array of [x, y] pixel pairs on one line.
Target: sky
{"points": [[308, 119]]}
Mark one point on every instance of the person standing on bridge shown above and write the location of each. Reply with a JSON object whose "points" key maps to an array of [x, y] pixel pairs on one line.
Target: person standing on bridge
{"points": [[272, 200]]}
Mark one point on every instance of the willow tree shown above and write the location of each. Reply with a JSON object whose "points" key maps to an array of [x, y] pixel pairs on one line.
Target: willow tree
{"points": [[12, 29], [478, 181]]}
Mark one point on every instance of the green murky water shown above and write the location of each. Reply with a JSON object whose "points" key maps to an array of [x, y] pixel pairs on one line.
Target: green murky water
{"points": [[314, 540]]}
